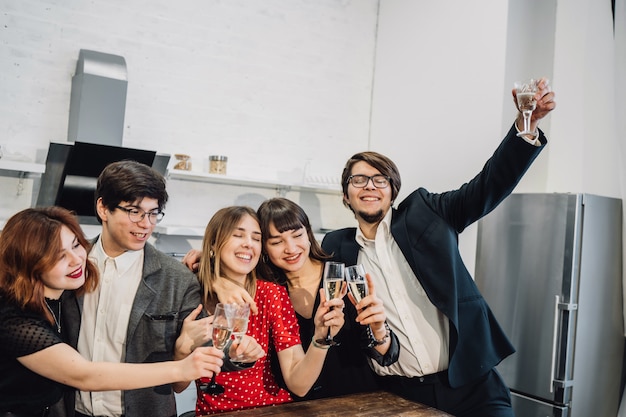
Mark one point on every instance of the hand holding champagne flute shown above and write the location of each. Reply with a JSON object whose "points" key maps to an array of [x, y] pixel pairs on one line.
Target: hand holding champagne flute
{"points": [[222, 329], [526, 102], [240, 316], [371, 313], [335, 288], [355, 277]]}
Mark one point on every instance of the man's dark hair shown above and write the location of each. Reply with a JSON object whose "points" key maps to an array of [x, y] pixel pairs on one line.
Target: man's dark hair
{"points": [[129, 181]]}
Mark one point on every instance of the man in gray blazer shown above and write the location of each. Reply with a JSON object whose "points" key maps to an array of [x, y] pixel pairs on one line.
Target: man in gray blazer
{"points": [[137, 312]]}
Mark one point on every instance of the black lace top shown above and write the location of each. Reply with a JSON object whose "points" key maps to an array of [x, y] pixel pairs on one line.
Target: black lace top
{"points": [[22, 333]]}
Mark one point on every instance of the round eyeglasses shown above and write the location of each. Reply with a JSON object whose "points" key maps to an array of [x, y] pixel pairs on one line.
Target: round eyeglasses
{"points": [[360, 181], [136, 215]]}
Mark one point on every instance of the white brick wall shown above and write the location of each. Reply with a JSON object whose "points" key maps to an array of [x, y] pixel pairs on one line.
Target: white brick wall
{"points": [[273, 84]]}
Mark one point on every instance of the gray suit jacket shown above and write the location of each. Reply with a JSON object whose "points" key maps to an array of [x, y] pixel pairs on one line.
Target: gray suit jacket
{"points": [[168, 292]]}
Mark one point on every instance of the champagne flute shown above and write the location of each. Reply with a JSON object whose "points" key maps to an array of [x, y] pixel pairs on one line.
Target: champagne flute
{"points": [[525, 91], [334, 288], [240, 316], [222, 329], [355, 276]]}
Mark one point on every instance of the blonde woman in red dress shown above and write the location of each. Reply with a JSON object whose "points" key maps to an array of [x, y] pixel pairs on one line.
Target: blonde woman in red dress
{"points": [[231, 250]]}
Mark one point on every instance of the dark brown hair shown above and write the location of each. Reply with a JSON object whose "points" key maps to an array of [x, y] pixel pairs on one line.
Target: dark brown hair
{"points": [[285, 215], [129, 181], [29, 246], [383, 164]]}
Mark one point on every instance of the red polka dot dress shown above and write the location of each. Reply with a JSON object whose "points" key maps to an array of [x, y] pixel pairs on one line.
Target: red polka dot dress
{"points": [[275, 325]]}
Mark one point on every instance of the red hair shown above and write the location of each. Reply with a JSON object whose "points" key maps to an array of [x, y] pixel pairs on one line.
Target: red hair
{"points": [[29, 246]]}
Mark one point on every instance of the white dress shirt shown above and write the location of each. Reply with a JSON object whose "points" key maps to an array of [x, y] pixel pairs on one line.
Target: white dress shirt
{"points": [[104, 323], [423, 331]]}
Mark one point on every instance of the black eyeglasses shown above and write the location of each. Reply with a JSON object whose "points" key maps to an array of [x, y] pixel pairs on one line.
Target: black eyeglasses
{"points": [[360, 181], [136, 215]]}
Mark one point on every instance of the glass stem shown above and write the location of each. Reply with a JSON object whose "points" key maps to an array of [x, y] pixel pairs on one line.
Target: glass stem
{"points": [[527, 121]]}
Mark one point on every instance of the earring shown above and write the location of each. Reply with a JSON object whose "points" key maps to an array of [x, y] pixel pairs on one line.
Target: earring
{"points": [[264, 258], [211, 254]]}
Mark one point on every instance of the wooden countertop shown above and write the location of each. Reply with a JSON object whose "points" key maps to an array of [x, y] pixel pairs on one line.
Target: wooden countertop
{"points": [[370, 404]]}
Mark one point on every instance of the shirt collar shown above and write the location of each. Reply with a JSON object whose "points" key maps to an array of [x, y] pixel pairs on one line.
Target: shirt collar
{"points": [[123, 262], [383, 230]]}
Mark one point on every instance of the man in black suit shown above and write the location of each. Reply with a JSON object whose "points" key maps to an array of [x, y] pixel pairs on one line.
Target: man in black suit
{"points": [[450, 341]]}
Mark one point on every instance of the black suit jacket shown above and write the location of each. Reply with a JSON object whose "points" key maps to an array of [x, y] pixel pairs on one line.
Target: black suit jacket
{"points": [[426, 226]]}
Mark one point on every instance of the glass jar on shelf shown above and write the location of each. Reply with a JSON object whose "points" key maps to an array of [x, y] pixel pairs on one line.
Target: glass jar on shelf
{"points": [[217, 164]]}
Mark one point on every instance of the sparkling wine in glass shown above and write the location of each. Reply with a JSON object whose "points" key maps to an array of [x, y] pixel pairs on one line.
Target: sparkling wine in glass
{"points": [[355, 277], [222, 329], [240, 316], [526, 101], [334, 288]]}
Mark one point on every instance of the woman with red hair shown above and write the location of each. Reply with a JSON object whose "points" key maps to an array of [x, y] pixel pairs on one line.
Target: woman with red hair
{"points": [[43, 253]]}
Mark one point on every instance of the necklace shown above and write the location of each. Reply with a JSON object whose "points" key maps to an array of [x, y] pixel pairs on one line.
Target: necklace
{"points": [[56, 321]]}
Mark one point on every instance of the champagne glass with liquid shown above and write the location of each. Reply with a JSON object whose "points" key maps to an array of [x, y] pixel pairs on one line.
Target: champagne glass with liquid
{"points": [[526, 101], [239, 319], [355, 277], [220, 335], [334, 288]]}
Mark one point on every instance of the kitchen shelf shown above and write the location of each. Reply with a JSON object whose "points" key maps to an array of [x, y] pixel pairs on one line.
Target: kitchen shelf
{"points": [[23, 167], [179, 230], [190, 231], [280, 187], [22, 170]]}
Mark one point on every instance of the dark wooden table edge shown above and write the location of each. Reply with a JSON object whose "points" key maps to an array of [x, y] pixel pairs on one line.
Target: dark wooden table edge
{"points": [[368, 404]]}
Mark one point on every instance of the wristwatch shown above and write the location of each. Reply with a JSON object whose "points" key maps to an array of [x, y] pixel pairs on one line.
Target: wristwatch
{"points": [[377, 342]]}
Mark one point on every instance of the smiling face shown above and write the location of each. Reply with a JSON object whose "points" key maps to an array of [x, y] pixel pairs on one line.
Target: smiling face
{"points": [[119, 233], [240, 253], [69, 271], [370, 204], [288, 250]]}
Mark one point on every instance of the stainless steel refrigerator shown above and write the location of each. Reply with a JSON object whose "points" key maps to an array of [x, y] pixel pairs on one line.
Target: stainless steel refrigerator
{"points": [[550, 267]]}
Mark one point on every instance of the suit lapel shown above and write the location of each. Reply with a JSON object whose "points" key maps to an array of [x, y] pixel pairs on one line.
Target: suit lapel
{"points": [[145, 292], [401, 236], [350, 250]]}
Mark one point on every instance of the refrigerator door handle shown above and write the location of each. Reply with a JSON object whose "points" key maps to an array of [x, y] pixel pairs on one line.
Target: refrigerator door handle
{"points": [[562, 383], [554, 341]]}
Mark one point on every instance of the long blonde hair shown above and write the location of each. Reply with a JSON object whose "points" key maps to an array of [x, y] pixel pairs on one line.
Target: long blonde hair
{"points": [[217, 233]]}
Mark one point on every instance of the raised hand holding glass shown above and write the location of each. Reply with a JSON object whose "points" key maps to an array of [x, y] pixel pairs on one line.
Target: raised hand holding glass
{"points": [[526, 102]]}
